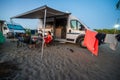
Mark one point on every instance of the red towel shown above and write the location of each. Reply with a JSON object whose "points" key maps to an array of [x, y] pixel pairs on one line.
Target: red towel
{"points": [[91, 42]]}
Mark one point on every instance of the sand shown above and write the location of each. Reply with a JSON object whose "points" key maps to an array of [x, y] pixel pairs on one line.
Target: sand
{"points": [[62, 61]]}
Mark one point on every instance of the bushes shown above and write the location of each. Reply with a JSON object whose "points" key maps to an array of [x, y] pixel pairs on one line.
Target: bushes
{"points": [[28, 31], [108, 31]]}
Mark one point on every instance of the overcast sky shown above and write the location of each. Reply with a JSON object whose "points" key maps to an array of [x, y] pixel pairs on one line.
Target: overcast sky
{"points": [[94, 13]]}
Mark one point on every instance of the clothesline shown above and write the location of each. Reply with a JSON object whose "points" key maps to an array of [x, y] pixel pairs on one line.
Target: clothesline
{"points": [[93, 39]]}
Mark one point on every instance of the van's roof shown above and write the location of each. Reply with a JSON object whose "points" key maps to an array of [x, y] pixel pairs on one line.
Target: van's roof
{"points": [[38, 13]]}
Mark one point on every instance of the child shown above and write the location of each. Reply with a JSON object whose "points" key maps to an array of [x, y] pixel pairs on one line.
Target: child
{"points": [[39, 40]]}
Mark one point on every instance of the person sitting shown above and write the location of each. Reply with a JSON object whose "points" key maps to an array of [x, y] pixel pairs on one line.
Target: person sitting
{"points": [[28, 40], [20, 38], [48, 38], [39, 40], [40, 37]]}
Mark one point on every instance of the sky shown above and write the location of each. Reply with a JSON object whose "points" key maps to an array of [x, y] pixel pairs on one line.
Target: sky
{"points": [[96, 14]]}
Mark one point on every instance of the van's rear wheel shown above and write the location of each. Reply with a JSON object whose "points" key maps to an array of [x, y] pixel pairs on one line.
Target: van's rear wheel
{"points": [[81, 42]]}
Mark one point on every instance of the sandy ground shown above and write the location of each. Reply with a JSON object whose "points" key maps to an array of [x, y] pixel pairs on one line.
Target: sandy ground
{"points": [[62, 62]]}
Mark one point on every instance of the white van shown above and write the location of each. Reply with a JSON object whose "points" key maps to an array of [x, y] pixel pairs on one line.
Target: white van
{"points": [[11, 30], [65, 28]]}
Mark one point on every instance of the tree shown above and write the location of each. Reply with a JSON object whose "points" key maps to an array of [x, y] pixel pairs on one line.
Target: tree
{"points": [[28, 31], [108, 31], [118, 5]]}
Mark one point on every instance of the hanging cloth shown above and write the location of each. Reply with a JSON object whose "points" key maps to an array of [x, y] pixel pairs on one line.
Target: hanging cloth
{"points": [[91, 42], [111, 39], [2, 38], [100, 37], [118, 37]]}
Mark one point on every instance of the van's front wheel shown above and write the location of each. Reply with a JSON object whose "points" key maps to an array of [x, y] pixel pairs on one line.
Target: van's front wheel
{"points": [[80, 42]]}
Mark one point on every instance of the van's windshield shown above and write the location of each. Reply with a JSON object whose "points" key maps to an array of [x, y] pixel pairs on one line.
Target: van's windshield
{"points": [[15, 27]]}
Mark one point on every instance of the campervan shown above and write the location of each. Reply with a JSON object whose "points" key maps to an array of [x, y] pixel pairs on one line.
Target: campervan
{"points": [[63, 25], [66, 28], [11, 30]]}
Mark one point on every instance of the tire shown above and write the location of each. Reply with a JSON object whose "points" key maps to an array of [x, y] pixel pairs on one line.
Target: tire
{"points": [[7, 35], [80, 42]]}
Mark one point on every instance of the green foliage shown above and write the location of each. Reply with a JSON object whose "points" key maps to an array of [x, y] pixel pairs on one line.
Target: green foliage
{"points": [[108, 31], [28, 31]]}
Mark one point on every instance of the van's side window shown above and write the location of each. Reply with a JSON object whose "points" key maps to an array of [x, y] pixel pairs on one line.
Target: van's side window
{"points": [[5, 28], [75, 24]]}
